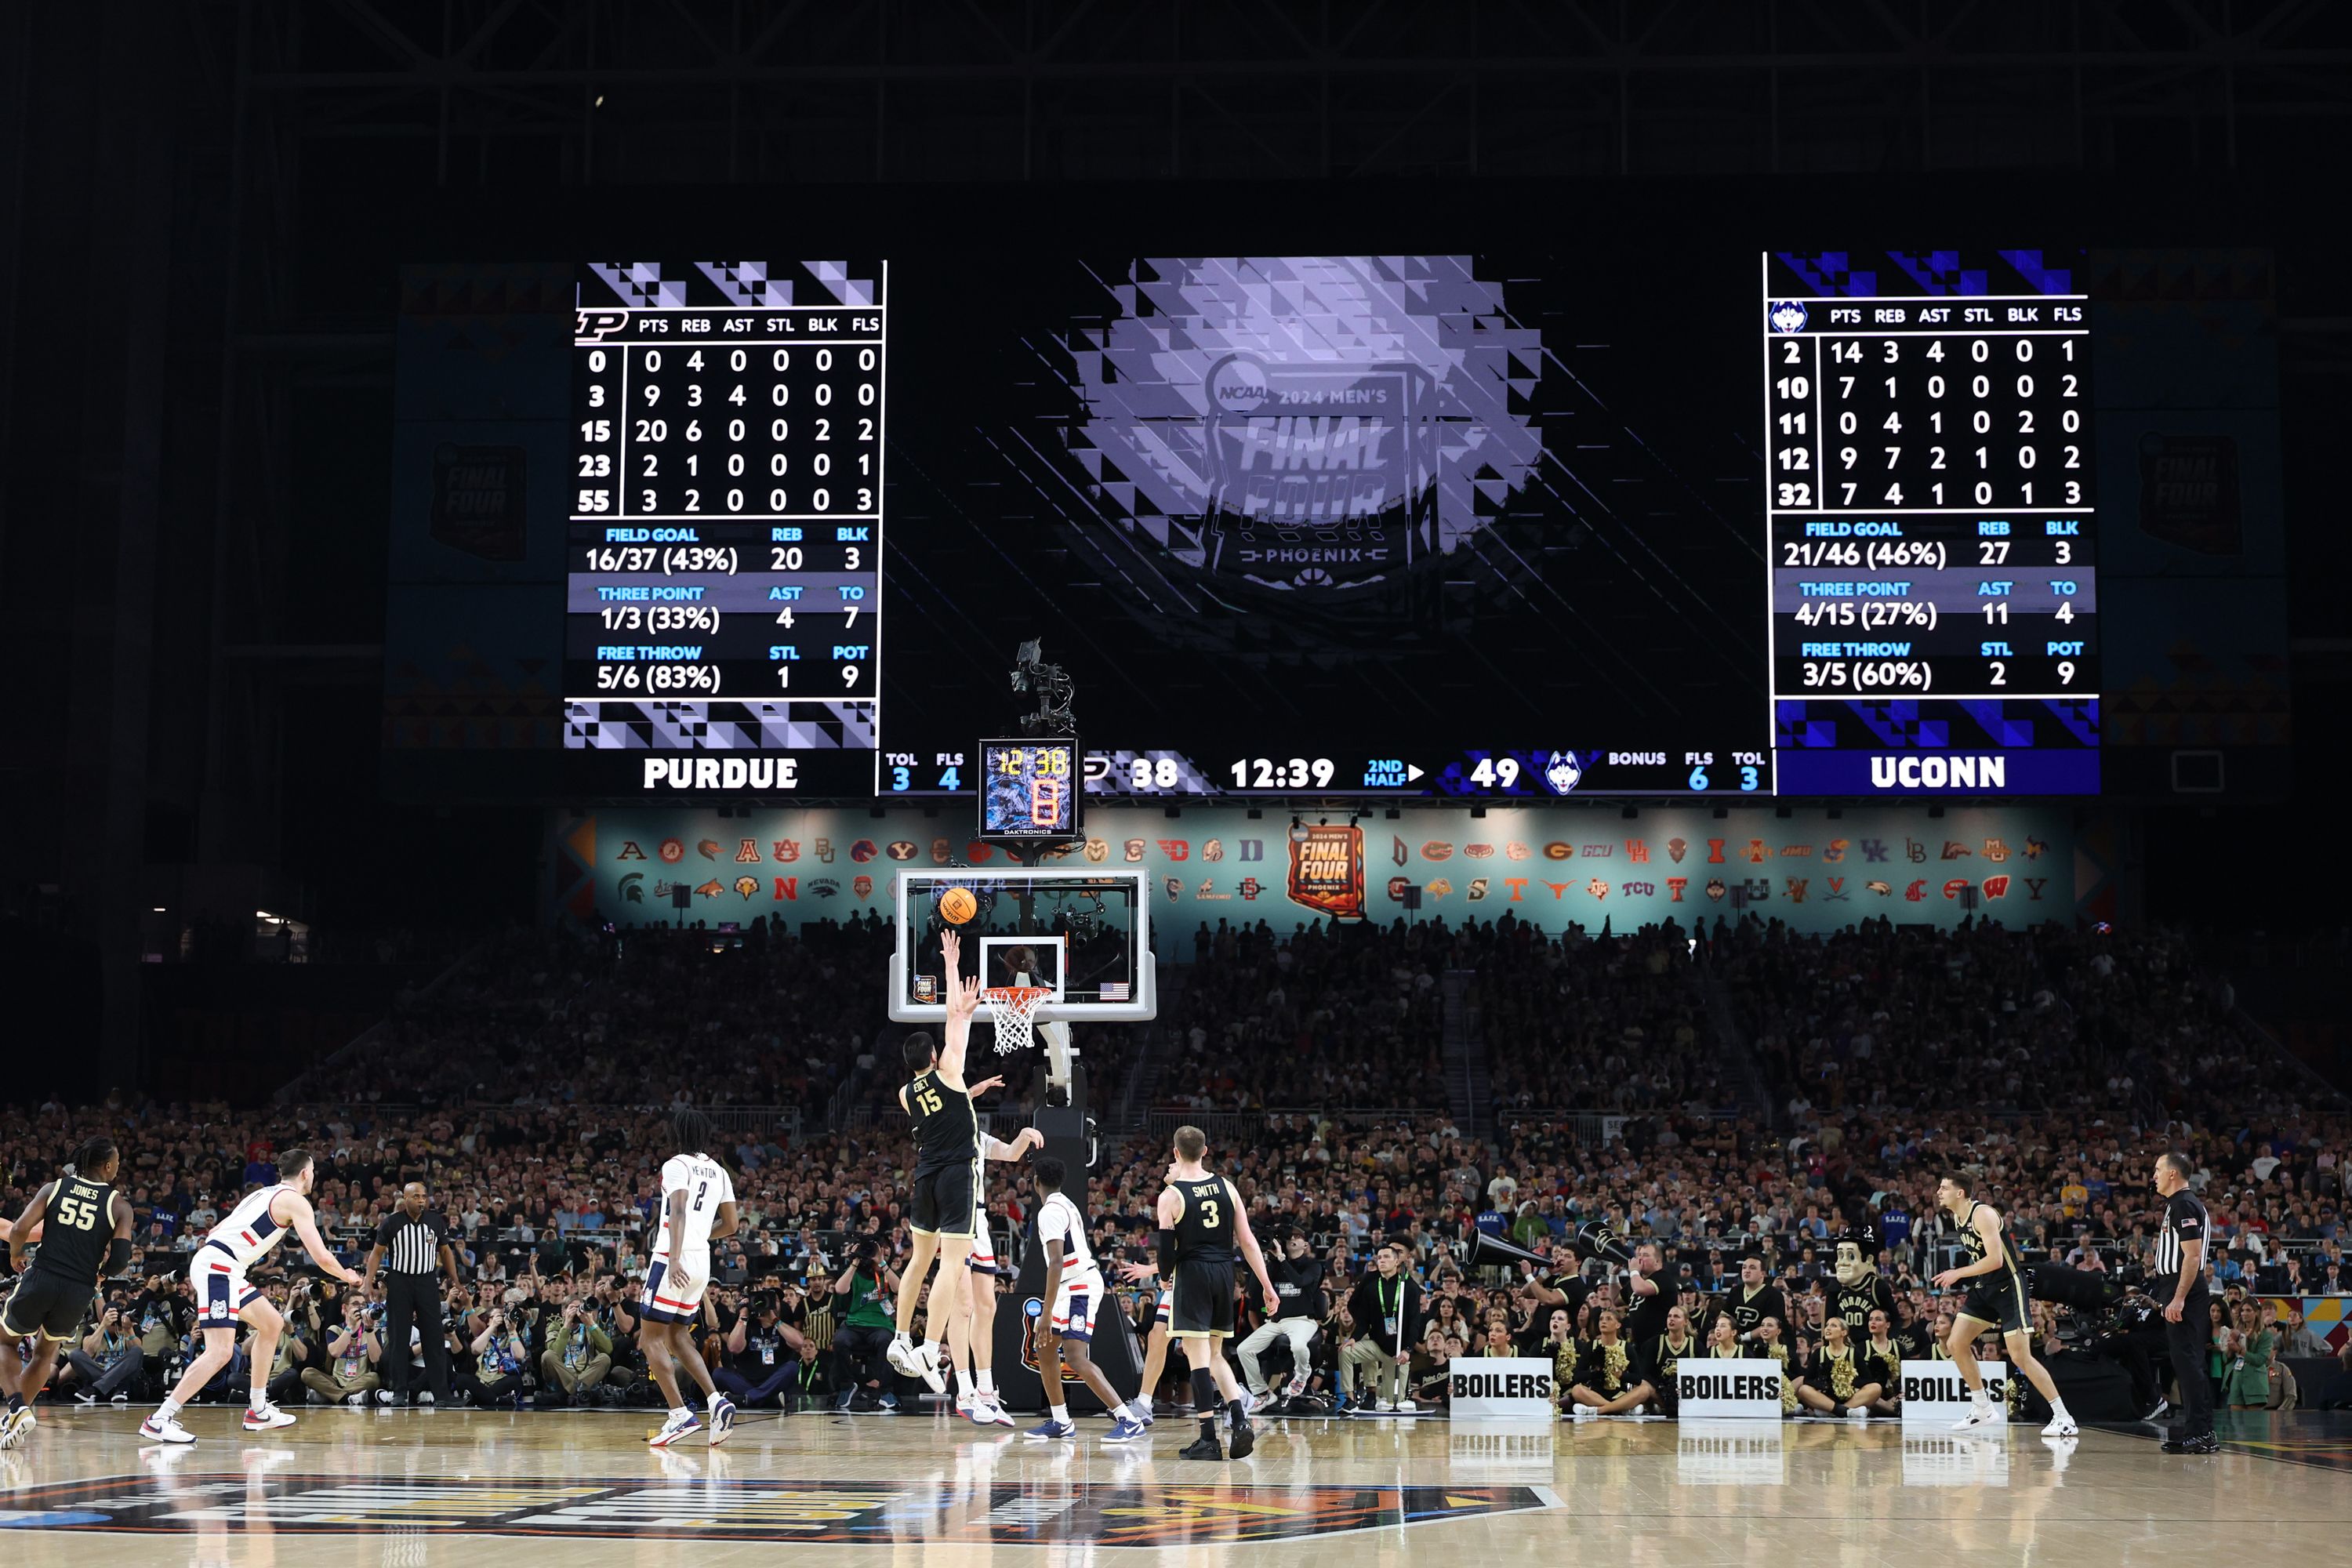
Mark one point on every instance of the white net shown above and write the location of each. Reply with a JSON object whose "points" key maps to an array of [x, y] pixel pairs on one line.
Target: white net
{"points": [[1013, 1009]]}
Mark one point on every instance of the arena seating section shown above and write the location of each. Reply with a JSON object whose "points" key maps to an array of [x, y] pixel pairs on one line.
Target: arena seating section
{"points": [[1718, 1089]]}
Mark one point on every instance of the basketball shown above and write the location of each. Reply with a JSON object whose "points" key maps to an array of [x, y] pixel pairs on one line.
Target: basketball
{"points": [[957, 906]]}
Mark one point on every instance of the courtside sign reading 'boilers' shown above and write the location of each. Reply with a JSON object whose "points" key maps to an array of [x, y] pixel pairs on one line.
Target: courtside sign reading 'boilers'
{"points": [[1503, 1388], [1933, 1392], [1709, 1390]]}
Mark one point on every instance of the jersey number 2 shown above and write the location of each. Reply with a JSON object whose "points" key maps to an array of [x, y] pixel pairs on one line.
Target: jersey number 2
{"points": [[697, 1196]]}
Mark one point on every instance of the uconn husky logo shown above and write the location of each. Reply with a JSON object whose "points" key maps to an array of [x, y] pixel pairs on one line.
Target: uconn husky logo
{"points": [[1563, 771], [1788, 316]]}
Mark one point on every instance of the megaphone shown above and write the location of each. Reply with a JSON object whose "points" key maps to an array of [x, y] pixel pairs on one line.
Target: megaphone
{"points": [[2074, 1287], [1600, 1241], [1493, 1252]]}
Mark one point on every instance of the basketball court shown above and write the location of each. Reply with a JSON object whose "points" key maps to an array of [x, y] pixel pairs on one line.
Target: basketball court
{"points": [[409, 1488]]}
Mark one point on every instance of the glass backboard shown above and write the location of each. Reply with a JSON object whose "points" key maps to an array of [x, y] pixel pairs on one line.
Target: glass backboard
{"points": [[1084, 934]]}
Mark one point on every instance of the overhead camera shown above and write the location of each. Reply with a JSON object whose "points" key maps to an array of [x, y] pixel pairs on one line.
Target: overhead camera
{"points": [[1051, 684]]}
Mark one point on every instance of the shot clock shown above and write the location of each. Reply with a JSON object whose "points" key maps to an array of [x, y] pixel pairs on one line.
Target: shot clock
{"points": [[1030, 790]]}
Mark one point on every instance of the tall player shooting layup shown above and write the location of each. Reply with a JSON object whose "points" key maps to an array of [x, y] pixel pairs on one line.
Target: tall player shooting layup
{"points": [[947, 1178], [1201, 1224]]}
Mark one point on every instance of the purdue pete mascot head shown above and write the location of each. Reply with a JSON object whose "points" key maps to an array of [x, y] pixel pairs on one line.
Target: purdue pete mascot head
{"points": [[1857, 1257]]}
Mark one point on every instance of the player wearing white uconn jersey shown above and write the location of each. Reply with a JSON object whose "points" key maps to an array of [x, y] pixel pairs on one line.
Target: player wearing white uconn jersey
{"points": [[1074, 1294], [698, 1207], [971, 1335], [248, 1233]]}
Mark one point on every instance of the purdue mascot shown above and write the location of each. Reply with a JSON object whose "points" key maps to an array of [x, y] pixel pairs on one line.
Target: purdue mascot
{"points": [[1860, 1289]]}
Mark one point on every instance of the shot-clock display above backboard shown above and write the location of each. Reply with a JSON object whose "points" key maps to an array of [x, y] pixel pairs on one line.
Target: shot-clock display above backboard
{"points": [[1030, 790]]}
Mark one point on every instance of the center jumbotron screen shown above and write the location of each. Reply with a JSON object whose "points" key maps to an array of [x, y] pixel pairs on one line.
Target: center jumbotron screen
{"points": [[1483, 526]]}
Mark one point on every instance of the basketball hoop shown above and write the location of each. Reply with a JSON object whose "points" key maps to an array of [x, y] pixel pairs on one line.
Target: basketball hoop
{"points": [[1013, 1008]]}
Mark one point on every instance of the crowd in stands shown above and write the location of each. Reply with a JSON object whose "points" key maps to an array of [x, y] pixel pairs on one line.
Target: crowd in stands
{"points": [[1597, 1024], [529, 1092], [1327, 1016]]}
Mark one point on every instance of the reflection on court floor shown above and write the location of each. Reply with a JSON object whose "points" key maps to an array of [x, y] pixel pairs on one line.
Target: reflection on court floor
{"points": [[481, 1490]]}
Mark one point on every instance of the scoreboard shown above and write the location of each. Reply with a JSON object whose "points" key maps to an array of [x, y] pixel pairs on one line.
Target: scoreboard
{"points": [[1929, 512], [1449, 526], [724, 590]]}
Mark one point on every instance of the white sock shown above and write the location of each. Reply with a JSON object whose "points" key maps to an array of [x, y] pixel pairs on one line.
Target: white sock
{"points": [[987, 1376], [2058, 1409], [902, 1338], [169, 1408], [1062, 1413], [717, 1399], [963, 1383], [936, 1347], [1139, 1405], [681, 1414]]}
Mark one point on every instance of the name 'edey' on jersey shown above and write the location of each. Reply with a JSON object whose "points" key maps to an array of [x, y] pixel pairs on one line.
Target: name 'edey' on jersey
{"points": [[706, 1185]]}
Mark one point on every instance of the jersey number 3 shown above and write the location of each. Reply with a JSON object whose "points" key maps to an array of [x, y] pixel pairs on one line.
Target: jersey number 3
{"points": [[1209, 1219]]}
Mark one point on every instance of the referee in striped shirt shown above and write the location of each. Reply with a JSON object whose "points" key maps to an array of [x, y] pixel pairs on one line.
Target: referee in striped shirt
{"points": [[2178, 1280], [414, 1241]]}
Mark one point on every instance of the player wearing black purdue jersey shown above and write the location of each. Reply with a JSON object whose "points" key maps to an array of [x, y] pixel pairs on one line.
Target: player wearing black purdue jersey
{"points": [[1202, 1224], [84, 1227], [1996, 1297], [946, 1179]]}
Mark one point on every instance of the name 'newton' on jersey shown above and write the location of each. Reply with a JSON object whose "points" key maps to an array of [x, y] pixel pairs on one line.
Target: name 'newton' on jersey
{"points": [[706, 1185], [246, 1230]]}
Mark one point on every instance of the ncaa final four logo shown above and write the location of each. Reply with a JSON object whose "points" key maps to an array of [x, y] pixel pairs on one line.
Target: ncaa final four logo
{"points": [[1320, 473], [1310, 425]]}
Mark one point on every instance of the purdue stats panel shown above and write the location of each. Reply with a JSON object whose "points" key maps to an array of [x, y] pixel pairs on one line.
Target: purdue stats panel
{"points": [[1934, 597], [724, 585]]}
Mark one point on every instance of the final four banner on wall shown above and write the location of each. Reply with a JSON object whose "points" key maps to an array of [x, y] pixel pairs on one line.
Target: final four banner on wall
{"points": [[1554, 867]]}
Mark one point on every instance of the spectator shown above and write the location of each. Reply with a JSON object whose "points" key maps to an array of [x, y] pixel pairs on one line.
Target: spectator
{"points": [[345, 1378], [578, 1355], [867, 1293]]}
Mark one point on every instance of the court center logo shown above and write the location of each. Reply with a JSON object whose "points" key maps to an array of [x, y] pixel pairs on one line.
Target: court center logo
{"points": [[1073, 1516]]}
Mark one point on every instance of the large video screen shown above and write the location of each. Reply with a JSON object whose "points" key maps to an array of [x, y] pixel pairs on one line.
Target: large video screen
{"points": [[1473, 525]]}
